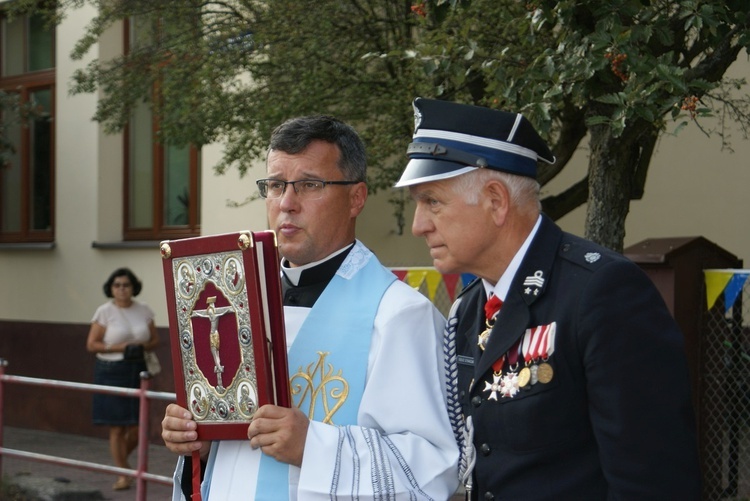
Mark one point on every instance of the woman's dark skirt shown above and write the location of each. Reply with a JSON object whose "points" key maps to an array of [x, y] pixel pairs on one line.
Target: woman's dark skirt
{"points": [[116, 410]]}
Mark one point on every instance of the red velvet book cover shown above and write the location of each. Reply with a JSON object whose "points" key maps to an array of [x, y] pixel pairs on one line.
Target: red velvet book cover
{"points": [[226, 328]]}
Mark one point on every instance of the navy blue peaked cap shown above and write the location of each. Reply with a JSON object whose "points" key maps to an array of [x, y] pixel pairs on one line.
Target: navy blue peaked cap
{"points": [[451, 139]]}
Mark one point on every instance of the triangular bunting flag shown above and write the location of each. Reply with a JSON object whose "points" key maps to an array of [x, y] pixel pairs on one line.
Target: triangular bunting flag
{"points": [[433, 281], [716, 281], [733, 289], [415, 277], [466, 278], [451, 279], [400, 273]]}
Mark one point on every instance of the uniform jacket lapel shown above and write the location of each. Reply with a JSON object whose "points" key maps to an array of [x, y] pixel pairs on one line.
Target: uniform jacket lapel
{"points": [[525, 290]]}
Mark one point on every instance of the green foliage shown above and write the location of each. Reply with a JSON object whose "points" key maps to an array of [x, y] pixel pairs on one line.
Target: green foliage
{"points": [[230, 72], [619, 60]]}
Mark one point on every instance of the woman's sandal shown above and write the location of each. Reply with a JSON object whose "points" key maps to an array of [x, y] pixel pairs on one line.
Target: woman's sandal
{"points": [[122, 484]]}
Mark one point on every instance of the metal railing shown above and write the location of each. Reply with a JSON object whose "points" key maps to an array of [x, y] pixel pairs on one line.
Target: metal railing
{"points": [[141, 474], [724, 413]]}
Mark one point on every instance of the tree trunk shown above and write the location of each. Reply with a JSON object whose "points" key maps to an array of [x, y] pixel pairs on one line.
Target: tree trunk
{"points": [[609, 189], [617, 173]]}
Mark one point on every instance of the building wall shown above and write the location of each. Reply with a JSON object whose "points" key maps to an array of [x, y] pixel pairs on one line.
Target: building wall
{"points": [[693, 189]]}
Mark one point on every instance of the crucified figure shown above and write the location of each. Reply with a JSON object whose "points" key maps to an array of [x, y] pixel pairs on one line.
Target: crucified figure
{"points": [[213, 313]]}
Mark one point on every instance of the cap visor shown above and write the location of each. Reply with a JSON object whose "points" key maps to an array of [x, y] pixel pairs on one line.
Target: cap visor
{"points": [[425, 170]]}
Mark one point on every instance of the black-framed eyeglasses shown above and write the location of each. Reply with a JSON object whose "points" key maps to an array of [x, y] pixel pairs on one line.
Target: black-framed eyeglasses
{"points": [[310, 189]]}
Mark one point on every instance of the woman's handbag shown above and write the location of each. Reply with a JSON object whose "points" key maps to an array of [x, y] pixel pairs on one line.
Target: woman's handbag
{"points": [[133, 353], [153, 366]]}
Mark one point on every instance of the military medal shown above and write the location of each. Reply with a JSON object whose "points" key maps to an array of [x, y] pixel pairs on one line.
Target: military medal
{"points": [[510, 380], [538, 345], [495, 386], [510, 385], [545, 372], [485, 335], [524, 375], [524, 378], [497, 380], [531, 340]]}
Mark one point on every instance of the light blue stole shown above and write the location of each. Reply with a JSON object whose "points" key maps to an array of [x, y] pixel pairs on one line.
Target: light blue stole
{"points": [[329, 357]]}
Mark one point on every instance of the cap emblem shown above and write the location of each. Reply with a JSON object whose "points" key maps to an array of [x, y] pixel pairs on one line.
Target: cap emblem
{"points": [[417, 117]]}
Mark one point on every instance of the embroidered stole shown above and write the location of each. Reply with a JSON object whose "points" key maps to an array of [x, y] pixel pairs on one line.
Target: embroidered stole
{"points": [[329, 357]]}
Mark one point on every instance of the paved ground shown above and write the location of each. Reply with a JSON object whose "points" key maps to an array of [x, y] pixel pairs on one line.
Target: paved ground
{"points": [[52, 482], [62, 483]]}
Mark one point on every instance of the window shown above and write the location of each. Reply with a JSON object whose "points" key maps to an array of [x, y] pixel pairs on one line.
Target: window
{"points": [[162, 197], [27, 80]]}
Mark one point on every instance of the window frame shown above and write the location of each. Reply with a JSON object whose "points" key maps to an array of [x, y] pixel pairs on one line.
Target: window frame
{"points": [[159, 230], [24, 85]]}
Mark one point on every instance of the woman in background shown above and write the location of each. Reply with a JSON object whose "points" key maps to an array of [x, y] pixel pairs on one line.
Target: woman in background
{"points": [[121, 330]]}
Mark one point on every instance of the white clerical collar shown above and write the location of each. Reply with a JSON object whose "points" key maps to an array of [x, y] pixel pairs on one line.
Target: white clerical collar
{"points": [[503, 285], [293, 274]]}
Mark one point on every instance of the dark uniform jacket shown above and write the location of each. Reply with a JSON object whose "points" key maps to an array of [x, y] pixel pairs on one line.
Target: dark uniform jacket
{"points": [[616, 420]]}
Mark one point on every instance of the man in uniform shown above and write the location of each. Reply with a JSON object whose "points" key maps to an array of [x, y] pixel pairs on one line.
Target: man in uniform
{"points": [[572, 377], [349, 322]]}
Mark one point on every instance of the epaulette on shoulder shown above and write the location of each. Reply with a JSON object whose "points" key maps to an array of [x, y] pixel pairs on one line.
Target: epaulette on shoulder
{"points": [[585, 252], [469, 286]]}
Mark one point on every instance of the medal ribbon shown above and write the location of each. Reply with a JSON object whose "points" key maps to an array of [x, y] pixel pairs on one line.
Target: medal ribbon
{"points": [[533, 337], [513, 354], [491, 309], [548, 340], [497, 367], [527, 346]]}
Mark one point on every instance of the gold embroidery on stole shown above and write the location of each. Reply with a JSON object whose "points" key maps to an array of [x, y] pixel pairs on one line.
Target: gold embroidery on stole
{"points": [[318, 381]]}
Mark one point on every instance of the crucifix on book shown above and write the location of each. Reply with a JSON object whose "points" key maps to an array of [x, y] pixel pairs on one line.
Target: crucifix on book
{"points": [[213, 313]]}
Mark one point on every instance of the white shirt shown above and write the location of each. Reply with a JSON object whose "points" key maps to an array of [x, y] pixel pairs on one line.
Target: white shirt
{"points": [[123, 325]]}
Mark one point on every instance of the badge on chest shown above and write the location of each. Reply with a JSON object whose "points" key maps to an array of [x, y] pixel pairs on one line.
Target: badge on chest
{"points": [[524, 365]]}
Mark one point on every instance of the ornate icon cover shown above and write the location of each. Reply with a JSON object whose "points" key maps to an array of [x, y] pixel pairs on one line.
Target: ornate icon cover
{"points": [[226, 328]]}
